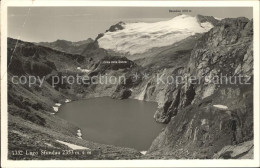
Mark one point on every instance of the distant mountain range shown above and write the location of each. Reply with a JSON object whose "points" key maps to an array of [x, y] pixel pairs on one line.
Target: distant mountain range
{"points": [[67, 46]]}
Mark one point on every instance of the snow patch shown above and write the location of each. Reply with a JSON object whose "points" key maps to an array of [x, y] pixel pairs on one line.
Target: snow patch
{"points": [[143, 152], [48, 144], [72, 146], [139, 37], [220, 106], [57, 104], [79, 134], [218, 18], [67, 100], [83, 70], [203, 121], [55, 108]]}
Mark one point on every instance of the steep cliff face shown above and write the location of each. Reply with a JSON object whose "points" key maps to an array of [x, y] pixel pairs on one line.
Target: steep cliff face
{"points": [[226, 50], [200, 130], [206, 115]]}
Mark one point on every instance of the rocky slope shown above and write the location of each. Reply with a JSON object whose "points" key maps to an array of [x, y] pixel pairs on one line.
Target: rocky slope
{"points": [[199, 127], [214, 55], [32, 125]]}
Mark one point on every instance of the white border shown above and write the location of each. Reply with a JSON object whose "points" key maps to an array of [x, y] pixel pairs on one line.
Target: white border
{"points": [[128, 163]]}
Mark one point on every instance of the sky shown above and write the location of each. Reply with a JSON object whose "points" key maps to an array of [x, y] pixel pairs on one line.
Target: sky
{"points": [[47, 24]]}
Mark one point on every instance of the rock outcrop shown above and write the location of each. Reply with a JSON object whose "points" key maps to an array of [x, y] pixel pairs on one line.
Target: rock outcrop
{"points": [[244, 150]]}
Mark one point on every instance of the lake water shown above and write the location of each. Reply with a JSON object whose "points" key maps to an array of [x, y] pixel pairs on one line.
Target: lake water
{"points": [[125, 123]]}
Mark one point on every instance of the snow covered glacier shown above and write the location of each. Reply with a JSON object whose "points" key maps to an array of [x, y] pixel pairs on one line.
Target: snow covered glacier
{"points": [[136, 38]]}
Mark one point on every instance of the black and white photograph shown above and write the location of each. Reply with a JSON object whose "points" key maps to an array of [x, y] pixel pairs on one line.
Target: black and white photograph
{"points": [[121, 82]]}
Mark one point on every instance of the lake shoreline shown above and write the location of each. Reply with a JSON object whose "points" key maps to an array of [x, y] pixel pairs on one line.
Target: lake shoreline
{"points": [[114, 103]]}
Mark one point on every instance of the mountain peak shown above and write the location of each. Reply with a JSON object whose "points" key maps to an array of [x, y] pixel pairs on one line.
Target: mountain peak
{"points": [[183, 15], [118, 26], [210, 19]]}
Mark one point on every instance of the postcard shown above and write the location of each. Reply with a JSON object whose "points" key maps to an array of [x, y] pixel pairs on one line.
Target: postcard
{"points": [[129, 83]]}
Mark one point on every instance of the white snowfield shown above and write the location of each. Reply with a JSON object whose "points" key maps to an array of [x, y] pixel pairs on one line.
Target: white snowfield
{"points": [[143, 152], [83, 70], [72, 146], [57, 104], [139, 37], [220, 106], [218, 18], [56, 109], [67, 100]]}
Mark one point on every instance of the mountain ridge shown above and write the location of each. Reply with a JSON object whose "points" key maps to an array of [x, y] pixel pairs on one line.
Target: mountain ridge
{"points": [[67, 46]]}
